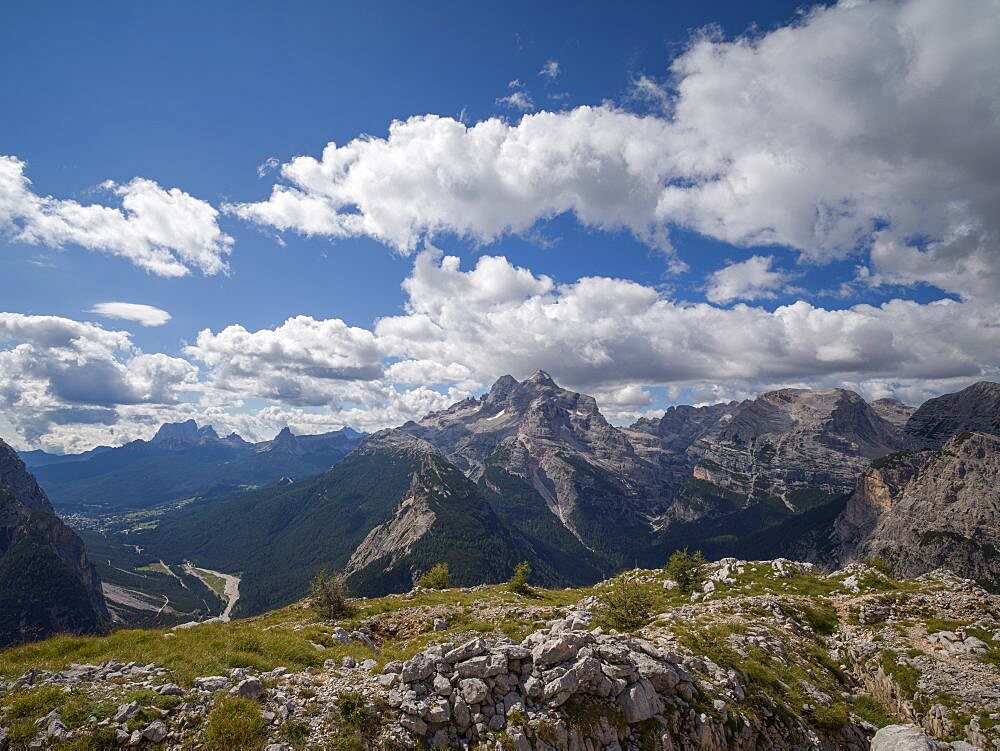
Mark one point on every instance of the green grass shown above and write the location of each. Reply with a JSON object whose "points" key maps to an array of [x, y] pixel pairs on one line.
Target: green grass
{"points": [[906, 676], [261, 643], [235, 725], [873, 711]]}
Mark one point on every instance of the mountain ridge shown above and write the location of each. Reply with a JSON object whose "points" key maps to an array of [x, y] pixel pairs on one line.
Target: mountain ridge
{"points": [[47, 583]]}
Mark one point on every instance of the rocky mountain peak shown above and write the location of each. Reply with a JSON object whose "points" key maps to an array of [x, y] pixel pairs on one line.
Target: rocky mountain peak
{"points": [[285, 441], [540, 378], [21, 484], [946, 512], [183, 434], [976, 408], [893, 411]]}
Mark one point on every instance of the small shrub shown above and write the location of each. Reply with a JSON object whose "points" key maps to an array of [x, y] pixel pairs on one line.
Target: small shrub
{"points": [[355, 712], [296, 733], [518, 583], [686, 569], [235, 725], [517, 719], [329, 595], [628, 605], [821, 617], [436, 578]]}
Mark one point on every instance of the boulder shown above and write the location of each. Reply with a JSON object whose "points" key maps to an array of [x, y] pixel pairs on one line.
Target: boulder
{"points": [[902, 738], [211, 682], [417, 668], [639, 701], [155, 731], [249, 688], [558, 649], [473, 690]]}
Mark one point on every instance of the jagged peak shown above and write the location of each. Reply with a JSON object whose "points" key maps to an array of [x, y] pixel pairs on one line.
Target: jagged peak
{"points": [[183, 433], [540, 378]]}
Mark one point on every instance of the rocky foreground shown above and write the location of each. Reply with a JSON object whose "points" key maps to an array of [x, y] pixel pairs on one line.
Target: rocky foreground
{"points": [[762, 655]]}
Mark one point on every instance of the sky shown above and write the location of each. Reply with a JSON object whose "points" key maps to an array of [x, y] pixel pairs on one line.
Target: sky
{"points": [[317, 215]]}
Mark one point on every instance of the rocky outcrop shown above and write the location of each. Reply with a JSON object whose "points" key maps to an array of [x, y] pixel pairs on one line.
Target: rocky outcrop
{"points": [[443, 517], [793, 443], [876, 493], [764, 655], [182, 435], [573, 688], [973, 409], [893, 411], [393, 539], [946, 514], [47, 584]]}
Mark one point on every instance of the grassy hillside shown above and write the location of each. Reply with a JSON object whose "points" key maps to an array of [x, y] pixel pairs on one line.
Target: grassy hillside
{"points": [[769, 650]]}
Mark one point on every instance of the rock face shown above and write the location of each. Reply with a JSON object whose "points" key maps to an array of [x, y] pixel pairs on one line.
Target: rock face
{"points": [[875, 495], [976, 408], [47, 585], [942, 510], [794, 443], [442, 517]]}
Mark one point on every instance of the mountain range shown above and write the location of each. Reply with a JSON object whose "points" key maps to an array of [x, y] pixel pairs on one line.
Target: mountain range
{"points": [[179, 461], [531, 471]]}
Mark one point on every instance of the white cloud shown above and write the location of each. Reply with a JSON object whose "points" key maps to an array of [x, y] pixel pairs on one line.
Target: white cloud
{"points": [[146, 315], [550, 70], [59, 372], [165, 232], [479, 182], [615, 338], [73, 384], [752, 279], [303, 361], [268, 165], [518, 100], [860, 122], [599, 333]]}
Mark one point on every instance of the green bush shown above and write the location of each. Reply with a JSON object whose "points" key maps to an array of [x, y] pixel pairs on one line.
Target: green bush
{"points": [[235, 725], [687, 569], [628, 605], [518, 583], [329, 595], [353, 709], [436, 578]]}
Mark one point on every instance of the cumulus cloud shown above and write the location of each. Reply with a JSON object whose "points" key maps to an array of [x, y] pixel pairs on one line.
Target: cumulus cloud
{"points": [[146, 315], [462, 328], [57, 371], [599, 332], [76, 384], [752, 279], [858, 122], [478, 182], [165, 232], [303, 361]]}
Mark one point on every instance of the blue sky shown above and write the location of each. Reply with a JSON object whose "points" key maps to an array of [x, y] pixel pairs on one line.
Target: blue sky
{"points": [[199, 98]]}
